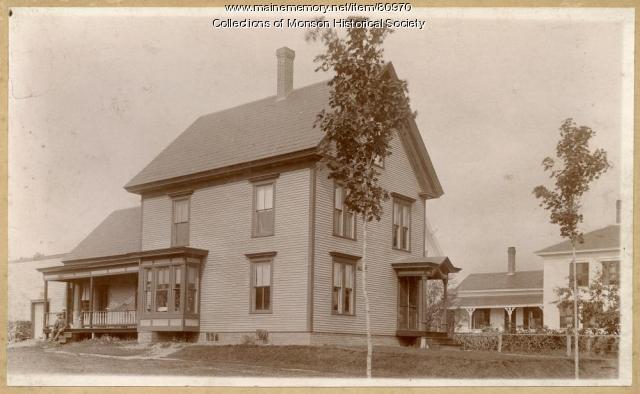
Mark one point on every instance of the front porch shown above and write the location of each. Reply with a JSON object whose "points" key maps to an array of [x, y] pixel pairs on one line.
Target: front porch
{"points": [[143, 291], [422, 313]]}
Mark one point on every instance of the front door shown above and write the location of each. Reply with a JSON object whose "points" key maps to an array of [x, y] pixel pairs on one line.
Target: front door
{"points": [[408, 296]]}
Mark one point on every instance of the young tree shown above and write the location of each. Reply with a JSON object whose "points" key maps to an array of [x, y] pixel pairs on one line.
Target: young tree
{"points": [[578, 167], [600, 309], [366, 106]]}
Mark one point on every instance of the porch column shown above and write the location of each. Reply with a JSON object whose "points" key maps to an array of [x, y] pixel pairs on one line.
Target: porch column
{"points": [[445, 283], [470, 312], [45, 309], [425, 303], [91, 301], [509, 310], [76, 305]]}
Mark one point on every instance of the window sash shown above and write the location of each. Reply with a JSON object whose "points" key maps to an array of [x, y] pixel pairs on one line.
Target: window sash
{"points": [[261, 286], [343, 290], [162, 289], [343, 220], [401, 232], [192, 289], [264, 197], [181, 211], [582, 276], [180, 236], [177, 284]]}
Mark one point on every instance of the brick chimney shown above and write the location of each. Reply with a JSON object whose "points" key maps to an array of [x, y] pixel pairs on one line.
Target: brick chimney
{"points": [[511, 260], [618, 211], [285, 71]]}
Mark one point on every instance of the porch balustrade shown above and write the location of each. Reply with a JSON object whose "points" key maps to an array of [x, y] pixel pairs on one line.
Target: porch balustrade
{"points": [[109, 318]]}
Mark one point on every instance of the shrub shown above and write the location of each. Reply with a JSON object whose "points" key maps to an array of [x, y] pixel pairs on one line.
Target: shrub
{"points": [[19, 330], [484, 341]]}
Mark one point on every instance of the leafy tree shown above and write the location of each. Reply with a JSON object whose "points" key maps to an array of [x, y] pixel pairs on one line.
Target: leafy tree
{"points": [[578, 167], [599, 310], [366, 106]]}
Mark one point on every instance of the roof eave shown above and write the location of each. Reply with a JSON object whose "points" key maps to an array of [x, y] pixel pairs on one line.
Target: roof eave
{"points": [[208, 175]]}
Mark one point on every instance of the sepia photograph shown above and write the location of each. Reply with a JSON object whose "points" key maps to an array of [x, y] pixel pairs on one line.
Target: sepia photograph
{"points": [[320, 196]]}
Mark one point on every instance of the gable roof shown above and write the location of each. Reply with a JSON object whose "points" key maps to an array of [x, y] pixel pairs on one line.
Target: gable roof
{"points": [[258, 130], [604, 238], [502, 281], [119, 233]]}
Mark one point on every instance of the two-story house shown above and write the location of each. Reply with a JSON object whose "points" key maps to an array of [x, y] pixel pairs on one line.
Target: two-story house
{"points": [[240, 230], [598, 254]]}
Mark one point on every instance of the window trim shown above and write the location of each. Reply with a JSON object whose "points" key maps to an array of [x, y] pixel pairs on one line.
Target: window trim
{"points": [[571, 273], [262, 181], [343, 261], [606, 262], [258, 259], [333, 216], [174, 199], [402, 201]]}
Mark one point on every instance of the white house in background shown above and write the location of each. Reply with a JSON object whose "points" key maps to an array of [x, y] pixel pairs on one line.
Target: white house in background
{"points": [[26, 290], [500, 300], [600, 252]]}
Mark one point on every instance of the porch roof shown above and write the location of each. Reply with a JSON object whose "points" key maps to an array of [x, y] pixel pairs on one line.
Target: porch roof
{"points": [[499, 301], [432, 266], [113, 265]]}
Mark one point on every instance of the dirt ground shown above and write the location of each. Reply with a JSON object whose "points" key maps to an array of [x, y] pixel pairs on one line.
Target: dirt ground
{"points": [[130, 358]]}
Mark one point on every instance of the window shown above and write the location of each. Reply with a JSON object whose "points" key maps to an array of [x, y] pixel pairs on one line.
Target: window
{"points": [[611, 272], [162, 289], [261, 286], [177, 283], [180, 236], [344, 222], [343, 294], [566, 315], [583, 274], [481, 318], [401, 224], [192, 289], [148, 275], [263, 218]]}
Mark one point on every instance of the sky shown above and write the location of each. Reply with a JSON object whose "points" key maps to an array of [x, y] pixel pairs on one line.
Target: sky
{"points": [[94, 95]]}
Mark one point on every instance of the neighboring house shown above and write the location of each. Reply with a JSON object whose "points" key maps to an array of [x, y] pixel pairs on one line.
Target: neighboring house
{"points": [[599, 253], [240, 230], [26, 298], [500, 300]]}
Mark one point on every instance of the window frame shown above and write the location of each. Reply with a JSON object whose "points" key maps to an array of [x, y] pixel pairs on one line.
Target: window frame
{"points": [[579, 274], [402, 201], [337, 185], [607, 263], [174, 233], [343, 262], [565, 311], [254, 212], [253, 262]]}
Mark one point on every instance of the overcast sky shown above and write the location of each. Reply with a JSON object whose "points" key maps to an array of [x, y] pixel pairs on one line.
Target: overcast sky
{"points": [[95, 95]]}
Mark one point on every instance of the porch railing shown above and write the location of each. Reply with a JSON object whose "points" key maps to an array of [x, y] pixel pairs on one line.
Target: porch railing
{"points": [[109, 318]]}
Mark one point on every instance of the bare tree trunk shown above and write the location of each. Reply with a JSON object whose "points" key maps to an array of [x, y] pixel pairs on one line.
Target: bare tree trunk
{"points": [[576, 361], [366, 296]]}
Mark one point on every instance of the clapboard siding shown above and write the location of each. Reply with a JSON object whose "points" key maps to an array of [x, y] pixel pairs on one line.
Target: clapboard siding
{"points": [[220, 222], [397, 176], [156, 222]]}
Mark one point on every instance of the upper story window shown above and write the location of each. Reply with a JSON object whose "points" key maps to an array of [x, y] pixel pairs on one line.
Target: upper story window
{"points": [[263, 215], [344, 222], [611, 272], [343, 294], [401, 224], [583, 274], [180, 232], [261, 285]]}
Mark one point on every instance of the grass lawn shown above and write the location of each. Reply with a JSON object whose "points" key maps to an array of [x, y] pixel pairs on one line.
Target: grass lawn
{"points": [[129, 358]]}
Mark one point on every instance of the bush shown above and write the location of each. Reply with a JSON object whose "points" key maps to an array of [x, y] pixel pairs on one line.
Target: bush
{"points": [[19, 330], [537, 343], [485, 341]]}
